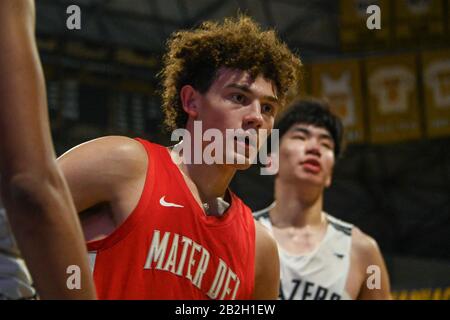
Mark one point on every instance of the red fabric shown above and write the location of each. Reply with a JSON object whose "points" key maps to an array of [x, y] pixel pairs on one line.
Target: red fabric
{"points": [[220, 247]]}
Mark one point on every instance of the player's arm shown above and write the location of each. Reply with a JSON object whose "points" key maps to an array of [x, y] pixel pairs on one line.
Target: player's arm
{"points": [[38, 204], [374, 266], [267, 266], [109, 170]]}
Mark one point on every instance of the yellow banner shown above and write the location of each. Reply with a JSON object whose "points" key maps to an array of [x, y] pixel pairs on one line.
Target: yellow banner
{"points": [[354, 33], [419, 19], [424, 9], [392, 99], [354, 12], [422, 294], [436, 85], [340, 84]]}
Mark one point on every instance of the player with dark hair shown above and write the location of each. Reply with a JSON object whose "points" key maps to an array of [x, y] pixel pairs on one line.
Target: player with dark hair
{"points": [[321, 257]]}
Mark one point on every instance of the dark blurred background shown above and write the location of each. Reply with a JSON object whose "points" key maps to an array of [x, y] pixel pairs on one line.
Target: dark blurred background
{"points": [[391, 87]]}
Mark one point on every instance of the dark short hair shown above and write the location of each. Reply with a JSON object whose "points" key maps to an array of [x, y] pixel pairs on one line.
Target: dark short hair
{"points": [[313, 112], [194, 56]]}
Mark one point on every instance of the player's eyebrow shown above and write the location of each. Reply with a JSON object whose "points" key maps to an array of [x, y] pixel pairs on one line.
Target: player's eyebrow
{"points": [[307, 132], [247, 89]]}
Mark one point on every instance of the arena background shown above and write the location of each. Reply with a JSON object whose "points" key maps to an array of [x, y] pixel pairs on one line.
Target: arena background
{"points": [[391, 87]]}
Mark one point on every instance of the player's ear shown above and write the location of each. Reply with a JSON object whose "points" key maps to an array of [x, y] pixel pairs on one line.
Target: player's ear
{"points": [[188, 97]]}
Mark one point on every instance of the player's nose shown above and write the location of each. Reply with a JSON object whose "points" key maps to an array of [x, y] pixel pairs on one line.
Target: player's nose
{"points": [[253, 118]]}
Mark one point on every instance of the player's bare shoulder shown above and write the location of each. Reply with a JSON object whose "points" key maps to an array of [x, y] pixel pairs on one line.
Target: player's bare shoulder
{"points": [[363, 245], [106, 170], [126, 152], [365, 252], [109, 154], [369, 259]]}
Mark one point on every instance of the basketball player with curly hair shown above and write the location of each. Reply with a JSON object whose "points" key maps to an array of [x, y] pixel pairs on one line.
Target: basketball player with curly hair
{"points": [[161, 228]]}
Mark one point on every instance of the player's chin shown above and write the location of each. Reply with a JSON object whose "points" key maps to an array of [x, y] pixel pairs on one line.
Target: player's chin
{"points": [[311, 179]]}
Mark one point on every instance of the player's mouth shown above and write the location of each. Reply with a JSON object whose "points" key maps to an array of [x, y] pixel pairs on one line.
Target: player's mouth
{"points": [[312, 165]]}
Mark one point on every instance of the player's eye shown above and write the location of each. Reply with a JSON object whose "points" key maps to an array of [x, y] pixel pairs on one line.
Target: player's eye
{"points": [[238, 98], [327, 145], [267, 108]]}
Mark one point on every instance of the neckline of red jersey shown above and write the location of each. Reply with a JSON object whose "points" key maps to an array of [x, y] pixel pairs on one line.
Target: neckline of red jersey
{"points": [[212, 221]]}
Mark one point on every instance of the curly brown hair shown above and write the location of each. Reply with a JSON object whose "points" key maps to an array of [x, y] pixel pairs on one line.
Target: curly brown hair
{"points": [[194, 57]]}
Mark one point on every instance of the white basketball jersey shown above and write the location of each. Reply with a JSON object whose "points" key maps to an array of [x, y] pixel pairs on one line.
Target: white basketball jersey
{"points": [[321, 274], [15, 280]]}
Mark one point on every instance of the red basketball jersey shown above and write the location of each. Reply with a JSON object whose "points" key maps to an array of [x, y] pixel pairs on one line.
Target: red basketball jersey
{"points": [[169, 249]]}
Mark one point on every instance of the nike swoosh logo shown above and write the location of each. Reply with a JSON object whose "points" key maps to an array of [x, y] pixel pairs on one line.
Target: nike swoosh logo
{"points": [[340, 256], [168, 204]]}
